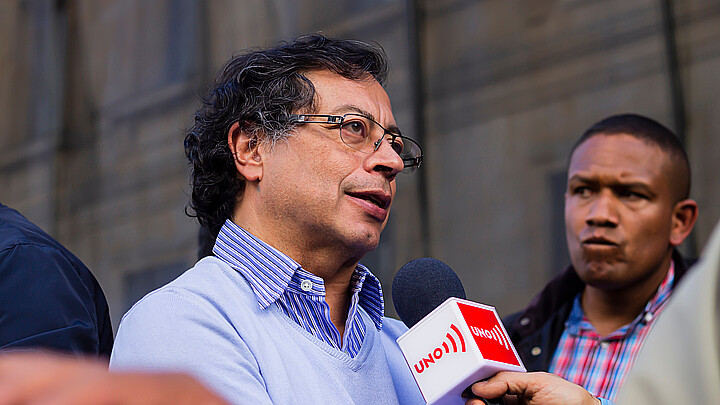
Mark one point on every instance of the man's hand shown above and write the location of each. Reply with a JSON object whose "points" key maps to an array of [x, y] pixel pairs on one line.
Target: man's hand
{"points": [[45, 379], [532, 389]]}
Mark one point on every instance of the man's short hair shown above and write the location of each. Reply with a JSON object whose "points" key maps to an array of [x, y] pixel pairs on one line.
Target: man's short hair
{"points": [[648, 131], [260, 89]]}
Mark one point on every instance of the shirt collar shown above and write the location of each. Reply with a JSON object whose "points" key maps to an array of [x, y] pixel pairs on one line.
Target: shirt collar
{"points": [[369, 291], [271, 272], [577, 322]]}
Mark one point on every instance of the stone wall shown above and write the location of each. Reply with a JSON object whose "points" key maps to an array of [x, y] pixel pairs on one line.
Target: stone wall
{"points": [[95, 96]]}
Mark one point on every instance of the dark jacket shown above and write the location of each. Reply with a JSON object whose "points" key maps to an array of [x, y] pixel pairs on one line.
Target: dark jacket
{"points": [[537, 329], [48, 298]]}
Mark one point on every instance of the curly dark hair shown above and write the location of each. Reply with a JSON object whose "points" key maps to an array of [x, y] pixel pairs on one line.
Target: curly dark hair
{"points": [[260, 89]]}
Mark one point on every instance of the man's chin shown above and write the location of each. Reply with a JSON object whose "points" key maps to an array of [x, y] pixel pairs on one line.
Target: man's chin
{"points": [[365, 242], [597, 274], [368, 245]]}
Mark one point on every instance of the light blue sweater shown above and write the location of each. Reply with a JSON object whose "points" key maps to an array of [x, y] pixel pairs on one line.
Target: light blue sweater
{"points": [[208, 323]]}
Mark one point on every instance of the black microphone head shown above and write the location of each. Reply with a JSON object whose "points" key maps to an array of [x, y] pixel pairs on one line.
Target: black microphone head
{"points": [[421, 285]]}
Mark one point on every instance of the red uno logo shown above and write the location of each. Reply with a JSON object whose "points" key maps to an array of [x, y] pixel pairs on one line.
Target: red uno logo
{"points": [[488, 334], [449, 345]]}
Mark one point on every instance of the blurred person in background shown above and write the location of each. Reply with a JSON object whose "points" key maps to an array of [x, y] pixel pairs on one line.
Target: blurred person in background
{"points": [[48, 298]]}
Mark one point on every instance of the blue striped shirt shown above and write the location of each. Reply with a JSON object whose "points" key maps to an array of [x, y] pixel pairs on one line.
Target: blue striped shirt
{"points": [[276, 279]]}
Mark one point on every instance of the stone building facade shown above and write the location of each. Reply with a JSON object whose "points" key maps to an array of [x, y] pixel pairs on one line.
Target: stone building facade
{"points": [[95, 96]]}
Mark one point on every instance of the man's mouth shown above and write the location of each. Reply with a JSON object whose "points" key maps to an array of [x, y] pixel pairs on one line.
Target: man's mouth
{"points": [[377, 198], [599, 241]]}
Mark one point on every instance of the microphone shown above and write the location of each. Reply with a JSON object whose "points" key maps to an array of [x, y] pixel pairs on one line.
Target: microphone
{"points": [[452, 342], [421, 285]]}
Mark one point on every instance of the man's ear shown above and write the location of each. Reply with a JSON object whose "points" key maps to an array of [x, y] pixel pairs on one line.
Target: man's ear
{"points": [[246, 153], [683, 219]]}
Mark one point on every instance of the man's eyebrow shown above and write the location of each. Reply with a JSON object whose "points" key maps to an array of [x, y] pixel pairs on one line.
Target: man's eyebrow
{"points": [[635, 186], [580, 178], [614, 184], [345, 108]]}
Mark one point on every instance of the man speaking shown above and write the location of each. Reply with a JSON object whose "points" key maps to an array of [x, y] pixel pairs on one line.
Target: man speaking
{"points": [[294, 158]]}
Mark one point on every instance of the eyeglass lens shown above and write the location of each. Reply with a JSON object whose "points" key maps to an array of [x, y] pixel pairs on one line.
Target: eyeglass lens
{"points": [[365, 135]]}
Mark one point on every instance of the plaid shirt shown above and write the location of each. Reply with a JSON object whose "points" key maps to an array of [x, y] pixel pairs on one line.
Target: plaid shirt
{"points": [[601, 364], [278, 280]]}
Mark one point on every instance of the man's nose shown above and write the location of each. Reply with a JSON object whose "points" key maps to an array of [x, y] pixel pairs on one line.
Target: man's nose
{"points": [[602, 210], [384, 159]]}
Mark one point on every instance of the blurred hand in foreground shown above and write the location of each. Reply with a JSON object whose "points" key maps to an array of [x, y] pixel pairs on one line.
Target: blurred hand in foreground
{"points": [[48, 379]]}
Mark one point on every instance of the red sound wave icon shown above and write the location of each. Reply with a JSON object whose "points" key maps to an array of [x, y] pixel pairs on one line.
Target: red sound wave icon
{"points": [[452, 341], [495, 334], [438, 352]]}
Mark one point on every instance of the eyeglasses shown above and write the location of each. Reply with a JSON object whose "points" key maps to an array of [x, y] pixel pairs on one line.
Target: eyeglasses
{"points": [[361, 133]]}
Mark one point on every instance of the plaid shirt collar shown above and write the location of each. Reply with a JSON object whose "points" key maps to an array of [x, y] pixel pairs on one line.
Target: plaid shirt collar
{"points": [[577, 323]]}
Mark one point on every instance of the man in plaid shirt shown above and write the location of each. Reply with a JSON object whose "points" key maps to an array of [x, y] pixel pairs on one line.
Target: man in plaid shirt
{"points": [[626, 210]]}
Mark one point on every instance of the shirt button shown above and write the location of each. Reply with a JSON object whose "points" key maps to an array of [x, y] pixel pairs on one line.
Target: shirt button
{"points": [[535, 351], [648, 317], [306, 285], [604, 344], [525, 321]]}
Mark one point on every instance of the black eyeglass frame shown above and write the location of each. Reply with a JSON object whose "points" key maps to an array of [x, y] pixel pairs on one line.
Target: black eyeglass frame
{"points": [[410, 163]]}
